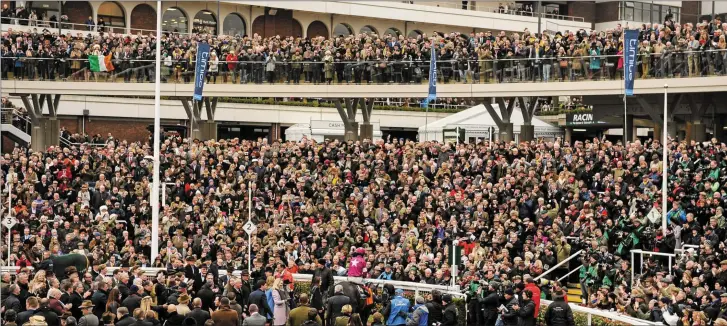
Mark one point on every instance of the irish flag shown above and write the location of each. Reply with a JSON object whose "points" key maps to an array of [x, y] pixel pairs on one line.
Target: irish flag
{"points": [[100, 63]]}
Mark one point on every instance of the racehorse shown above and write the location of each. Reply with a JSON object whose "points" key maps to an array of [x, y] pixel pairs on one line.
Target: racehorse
{"points": [[362, 298], [59, 264]]}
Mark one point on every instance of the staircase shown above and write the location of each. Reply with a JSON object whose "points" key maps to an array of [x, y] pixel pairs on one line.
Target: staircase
{"points": [[574, 293], [15, 126]]}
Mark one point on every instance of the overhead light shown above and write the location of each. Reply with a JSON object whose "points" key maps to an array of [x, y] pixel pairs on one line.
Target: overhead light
{"points": [[172, 9], [272, 12], [579, 130]]}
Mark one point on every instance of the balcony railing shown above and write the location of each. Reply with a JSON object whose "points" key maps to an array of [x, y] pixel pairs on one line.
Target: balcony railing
{"points": [[471, 5], [511, 69]]}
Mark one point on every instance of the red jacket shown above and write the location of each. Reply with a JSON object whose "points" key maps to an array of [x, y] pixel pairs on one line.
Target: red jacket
{"points": [[536, 296]]}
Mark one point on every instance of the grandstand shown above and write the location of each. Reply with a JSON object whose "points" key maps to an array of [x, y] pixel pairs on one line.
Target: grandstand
{"points": [[462, 156]]}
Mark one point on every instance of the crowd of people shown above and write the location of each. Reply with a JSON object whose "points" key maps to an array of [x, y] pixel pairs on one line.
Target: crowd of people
{"points": [[389, 210], [665, 50]]}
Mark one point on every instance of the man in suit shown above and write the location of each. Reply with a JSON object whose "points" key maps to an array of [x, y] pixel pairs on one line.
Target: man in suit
{"points": [[88, 318], [255, 318], [225, 316], [326, 276], [335, 304], [133, 301], [192, 272], [259, 299], [123, 317], [12, 301], [198, 314], [31, 307]]}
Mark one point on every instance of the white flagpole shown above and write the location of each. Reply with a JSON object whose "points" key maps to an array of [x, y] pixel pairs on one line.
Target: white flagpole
{"points": [[157, 122], [664, 188], [249, 218]]}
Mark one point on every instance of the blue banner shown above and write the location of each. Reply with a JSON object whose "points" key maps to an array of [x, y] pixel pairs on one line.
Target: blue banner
{"points": [[200, 70], [432, 78], [631, 45]]}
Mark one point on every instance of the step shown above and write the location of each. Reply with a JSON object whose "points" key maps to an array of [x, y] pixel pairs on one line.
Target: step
{"points": [[575, 291], [573, 285], [574, 298]]}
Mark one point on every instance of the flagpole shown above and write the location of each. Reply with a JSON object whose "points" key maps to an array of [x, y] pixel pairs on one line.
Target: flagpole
{"points": [[156, 136], [664, 164]]}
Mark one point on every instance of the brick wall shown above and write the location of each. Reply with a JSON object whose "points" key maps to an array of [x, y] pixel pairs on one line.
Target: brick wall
{"points": [[585, 9], [282, 23], [690, 11], [606, 12], [143, 16], [130, 130], [77, 11]]}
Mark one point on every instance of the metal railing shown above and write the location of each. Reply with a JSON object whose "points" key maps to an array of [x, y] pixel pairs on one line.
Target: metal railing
{"points": [[569, 273], [67, 27], [559, 264], [590, 312], [13, 117], [417, 288], [509, 69], [641, 254], [471, 5]]}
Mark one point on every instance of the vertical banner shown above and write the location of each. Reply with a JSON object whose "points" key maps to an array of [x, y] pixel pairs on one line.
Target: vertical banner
{"points": [[200, 70], [432, 95], [631, 44]]}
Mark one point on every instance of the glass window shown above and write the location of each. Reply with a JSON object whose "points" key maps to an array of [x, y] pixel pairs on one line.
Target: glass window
{"points": [[205, 22], [368, 30], [45, 9], [112, 14], [233, 25], [393, 32], [174, 20], [342, 30]]}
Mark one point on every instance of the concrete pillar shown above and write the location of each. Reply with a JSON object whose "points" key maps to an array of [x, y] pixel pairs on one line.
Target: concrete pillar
{"points": [[506, 132], [699, 131], [720, 121], [352, 133], [527, 133], [658, 132], [196, 133], [672, 128], [366, 131], [630, 127], [568, 134], [45, 134], [208, 130]]}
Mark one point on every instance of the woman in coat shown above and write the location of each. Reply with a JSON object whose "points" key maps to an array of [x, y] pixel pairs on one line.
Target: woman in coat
{"points": [[526, 313], [280, 298]]}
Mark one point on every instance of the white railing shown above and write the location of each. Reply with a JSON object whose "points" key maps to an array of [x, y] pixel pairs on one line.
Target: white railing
{"points": [[569, 273], [558, 265], [641, 254], [408, 286], [590, 312]]}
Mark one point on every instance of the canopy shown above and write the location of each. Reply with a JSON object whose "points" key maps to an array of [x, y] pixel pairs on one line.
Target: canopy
{"points": [[478, 123]]}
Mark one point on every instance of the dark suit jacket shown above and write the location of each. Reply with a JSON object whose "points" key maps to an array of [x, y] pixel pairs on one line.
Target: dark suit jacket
{"points": [[125, 321], [259, 298], [335, 305], [132, 302], [200, 316], [193, 274], [24, 316]]}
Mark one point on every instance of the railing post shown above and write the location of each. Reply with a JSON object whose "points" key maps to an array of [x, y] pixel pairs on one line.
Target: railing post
{"points": [[632, 269], [669, 265], [589, 319]]}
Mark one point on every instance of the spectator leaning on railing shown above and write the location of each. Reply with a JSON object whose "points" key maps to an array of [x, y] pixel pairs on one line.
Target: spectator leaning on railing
{"points": [[665, 50]]}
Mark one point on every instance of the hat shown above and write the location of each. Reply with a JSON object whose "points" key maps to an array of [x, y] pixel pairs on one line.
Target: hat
{"points": [[723, 295], [447, 298], [399, 292], [183, 299], [666, 279], [36, 321], [509, 292], [133, 289], [70, 270], [666, 300], [245, 273], [86, 304], [724, 262]]}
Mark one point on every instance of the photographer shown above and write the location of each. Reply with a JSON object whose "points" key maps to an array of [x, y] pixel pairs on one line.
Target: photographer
{"points": [[489, 300], [588, 276]]}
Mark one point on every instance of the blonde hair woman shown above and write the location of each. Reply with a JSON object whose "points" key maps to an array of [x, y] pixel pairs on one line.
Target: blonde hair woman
{"points": [[146, 304], [280, 298], [39, 284]]}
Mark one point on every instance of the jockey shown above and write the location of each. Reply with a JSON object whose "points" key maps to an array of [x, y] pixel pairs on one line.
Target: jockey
{"points": [[358, 263]]}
